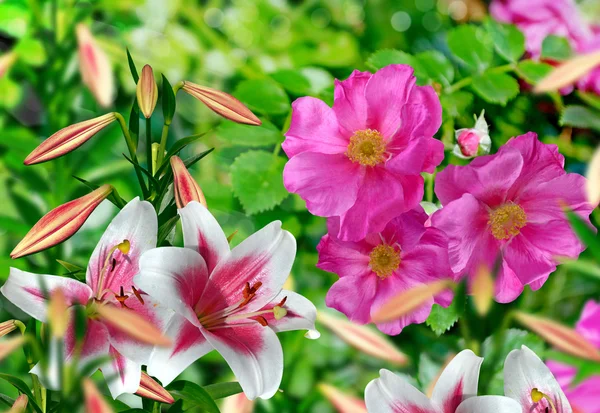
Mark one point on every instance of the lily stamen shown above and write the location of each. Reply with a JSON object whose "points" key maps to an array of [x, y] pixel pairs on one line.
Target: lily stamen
{"points": [[124, 248], [537, 396]]}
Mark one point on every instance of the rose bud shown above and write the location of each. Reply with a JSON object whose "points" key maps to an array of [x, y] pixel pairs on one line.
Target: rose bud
{"points": [[94, 66], [473, 142], [147, 92], [60, 223], [185, 188], [222, 103]]}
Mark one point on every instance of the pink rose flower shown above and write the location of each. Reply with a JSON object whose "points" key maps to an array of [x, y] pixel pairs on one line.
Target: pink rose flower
{"points": [[361, 161], [538, 19], [382, 265], [584, 397], [508, 206]]}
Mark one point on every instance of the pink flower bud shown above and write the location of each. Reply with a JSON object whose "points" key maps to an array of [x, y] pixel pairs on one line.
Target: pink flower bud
{"points": [[60, 223], [343, 402], [10, 345], [94, 65], [6, 61], [238, 403], [147, 92], [68, 139], [185, 188], [222, 103], [150, 389], [57, 313], [474, 141], [7, 327], [20, 404], [94, 401]]}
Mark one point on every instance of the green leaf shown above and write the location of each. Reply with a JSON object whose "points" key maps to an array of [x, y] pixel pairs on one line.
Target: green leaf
{"points": [[533, 71], [114, 197], [132, 68], [166, 228], [583, 266], [23, 388], [263, 95], [435, 66], [193, 396], [471, 45], [168, 101], [257, 180], [221, 390], [31, 51], [580, 117], [556, 48], [496, 88], [508, 40], [140, 168], [382, 58], [293, 81], [247, 135], [176, 148], [443, 319], [70, 267], [14, 19], [584, 232], [10, 93], [591, 99], [134, 122], [457, 104]]}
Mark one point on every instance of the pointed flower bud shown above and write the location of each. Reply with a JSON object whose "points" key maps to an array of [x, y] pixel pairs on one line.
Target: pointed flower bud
{"points": [[94, 401], [68, 139], [60, 223], [185, 188], [6, 61], [482, 289], [592, 186], [20, 405], [150, 389], [7, 327], [363, 339], [57, 313], [343, 402], [132, 324], [94, 66], [147, 92], [474, 141], [560, 336], [222, 103], [238, 403], [568, 72], [10, 345]]}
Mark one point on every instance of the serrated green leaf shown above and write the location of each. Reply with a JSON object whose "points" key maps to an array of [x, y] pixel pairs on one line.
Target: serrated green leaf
{"points": [[591, 99], [457, 103], [435, 66], [263, 95], [471, 45], [509, 42], [257, 180], [556, 48], [533, 71], [580, 117], [132, 68], [443, 319], [382, 58], [247, 135], [193, 396], [168, 101], [496, 88]]}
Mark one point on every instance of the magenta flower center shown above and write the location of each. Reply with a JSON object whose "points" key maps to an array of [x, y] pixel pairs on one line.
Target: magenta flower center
{"points": [[367, 147], [506, 221], [384, 260]]}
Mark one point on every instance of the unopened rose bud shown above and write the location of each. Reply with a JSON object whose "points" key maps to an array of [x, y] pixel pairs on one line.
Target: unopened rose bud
{"points": [[474, 141], [147, 92], [6, 61], [7, 327], [150, 389], [20, 405], [222, 103], [60, 223], [68, 139], [185, 188]]}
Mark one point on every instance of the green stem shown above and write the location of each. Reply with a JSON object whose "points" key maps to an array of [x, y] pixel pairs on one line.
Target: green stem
{"points": [[132, 151], [39, 392], [163, 144], [149, 143], [156, 407]]}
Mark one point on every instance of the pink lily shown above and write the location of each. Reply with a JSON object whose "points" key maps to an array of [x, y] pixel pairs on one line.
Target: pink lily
{"points": [[109, 284], [226, 299], [451, 394]]}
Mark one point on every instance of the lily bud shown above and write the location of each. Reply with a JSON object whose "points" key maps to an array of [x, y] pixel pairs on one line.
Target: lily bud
{"points": [[592, 186], [560, 336], [6, 61], [147, 92], [238, 403], [482, 289], [68, 139], [409, 300], [57, 313], [185, 188], [568, 72], [61, 223], [94, 65], [150, 389], [94, 402], [7, 327], [10, 345], [474, 141], [222, 103], [343, 402], [20, 404], [132, 324], [363, 339]]}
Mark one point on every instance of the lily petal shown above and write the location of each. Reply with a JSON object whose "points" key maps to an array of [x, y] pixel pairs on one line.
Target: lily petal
{"points": [[136, 223], [266, 257], [457, 382], [189, 345], [496, 404], [31, 292], [523, 372], [301, 314], [254, 354], [392, 394], [122, 375], [202, 232]]}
